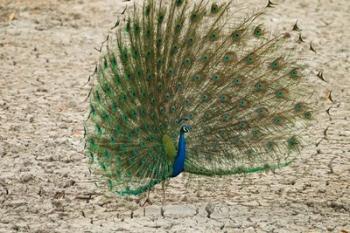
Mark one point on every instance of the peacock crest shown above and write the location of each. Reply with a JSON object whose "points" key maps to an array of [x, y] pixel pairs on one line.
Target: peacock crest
{"points": [[184, 87]]}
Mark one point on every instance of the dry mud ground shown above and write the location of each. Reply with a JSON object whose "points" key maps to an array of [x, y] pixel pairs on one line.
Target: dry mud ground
{"points": [[46, 54]]}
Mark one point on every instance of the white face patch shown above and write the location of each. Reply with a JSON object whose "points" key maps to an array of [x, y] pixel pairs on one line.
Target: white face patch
{"points": [[186, 128]]}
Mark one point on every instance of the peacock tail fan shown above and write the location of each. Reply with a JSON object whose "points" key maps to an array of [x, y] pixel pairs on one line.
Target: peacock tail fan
{"points": [[243, 91]]}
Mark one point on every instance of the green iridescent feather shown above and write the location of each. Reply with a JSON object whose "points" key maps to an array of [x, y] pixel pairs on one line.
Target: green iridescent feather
{"points": [[245, 97]]}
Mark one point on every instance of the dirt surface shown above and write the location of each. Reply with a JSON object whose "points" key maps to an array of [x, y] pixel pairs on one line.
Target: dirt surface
{"points": [[47, 51]]}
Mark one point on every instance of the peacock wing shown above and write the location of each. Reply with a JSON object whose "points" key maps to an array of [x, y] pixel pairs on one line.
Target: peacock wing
{"points": [[245, 95], [128, 133]]}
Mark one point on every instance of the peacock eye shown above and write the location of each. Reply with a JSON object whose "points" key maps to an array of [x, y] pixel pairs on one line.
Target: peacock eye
{"points": [[214, 8], [243, 124], [237, 81], [250, 59], [215, 77], [236, 36], [135, 53], [134, 114], [256, 133], [293, 74], [125, 118], [261, 111], [137, 28], [114, 107], [307, 115], [174, 49], [190, 41], [194, 17], [274, 65], [196, 77], [258, 32], [149, 77], [259, 86], [148, 54], [226, 117], [236, 140], [179, 86], [298, 107], [178, 27], [170, 72], [179, 2], [147, 10], [292, 142], [243, 103], [161, 18], [139, 72], [223, 98], [124, 97], [270, 145], [281, 93], [187, 61], [229, 57], [142, 112], [205, 58], [213, 36], [277, 120], [159, 41], [159, 62], [205, 98], [190, 116], [148, 32]]}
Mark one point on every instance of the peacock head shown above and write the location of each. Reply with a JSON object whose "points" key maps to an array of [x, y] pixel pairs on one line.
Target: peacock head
{"points": [[185, 129]]}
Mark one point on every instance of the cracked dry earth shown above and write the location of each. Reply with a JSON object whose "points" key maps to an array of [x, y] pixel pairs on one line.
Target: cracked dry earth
{"points": [[47, 52]]}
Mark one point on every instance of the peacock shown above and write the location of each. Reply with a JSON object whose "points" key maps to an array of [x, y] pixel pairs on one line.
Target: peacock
{"points": [[183, 86]]}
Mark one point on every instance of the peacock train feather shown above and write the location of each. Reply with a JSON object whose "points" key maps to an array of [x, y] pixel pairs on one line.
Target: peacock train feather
{"points": [[181, 87]]}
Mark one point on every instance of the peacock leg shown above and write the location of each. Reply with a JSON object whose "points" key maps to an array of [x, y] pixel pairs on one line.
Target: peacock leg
{"points": [[163, 195], [147, 200]]}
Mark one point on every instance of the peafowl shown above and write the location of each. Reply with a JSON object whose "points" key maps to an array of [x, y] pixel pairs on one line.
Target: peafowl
{"points": [[182, 87]]}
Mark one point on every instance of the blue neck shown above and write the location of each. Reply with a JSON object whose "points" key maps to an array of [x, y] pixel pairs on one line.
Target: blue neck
{"points": [[179, 163]]}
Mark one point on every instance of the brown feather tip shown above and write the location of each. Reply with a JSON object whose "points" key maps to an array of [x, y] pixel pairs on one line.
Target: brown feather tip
{"points": [[330, 97], [312, 48], [116, 24], [300, 39], [296, 27], [270, 4], [320, 76]]}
